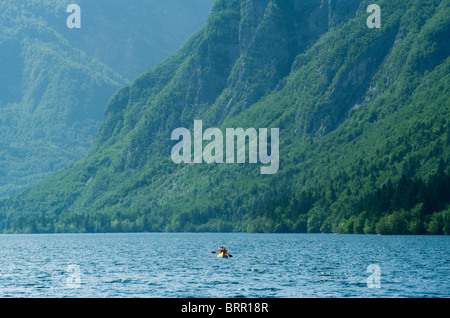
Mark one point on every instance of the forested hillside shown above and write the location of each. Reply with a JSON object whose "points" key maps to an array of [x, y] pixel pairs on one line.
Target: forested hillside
{"points": [[55, 81], [363, 116]]}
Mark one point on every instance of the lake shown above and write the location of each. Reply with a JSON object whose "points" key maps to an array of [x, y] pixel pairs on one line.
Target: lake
{"points": [[180, 265]]}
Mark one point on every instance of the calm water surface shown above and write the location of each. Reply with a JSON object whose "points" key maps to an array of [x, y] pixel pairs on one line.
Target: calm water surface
{"points": [[263, 265]]}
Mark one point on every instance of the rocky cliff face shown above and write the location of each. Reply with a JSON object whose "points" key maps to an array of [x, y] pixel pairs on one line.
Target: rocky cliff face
{"points": [[243, 53], [271, 35]]}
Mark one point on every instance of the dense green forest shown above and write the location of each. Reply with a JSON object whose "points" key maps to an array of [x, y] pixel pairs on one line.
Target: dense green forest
{"points": [[411, 206], [363, 116]]}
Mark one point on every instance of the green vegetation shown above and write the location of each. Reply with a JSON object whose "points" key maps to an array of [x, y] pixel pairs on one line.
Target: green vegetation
{"points": [[363, 117], [56, 81], [51, 98], [411, 206]]}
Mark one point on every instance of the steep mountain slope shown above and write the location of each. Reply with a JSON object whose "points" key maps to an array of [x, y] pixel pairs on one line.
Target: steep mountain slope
{"points": [[51, 98], [56, 81], [356, 108]]}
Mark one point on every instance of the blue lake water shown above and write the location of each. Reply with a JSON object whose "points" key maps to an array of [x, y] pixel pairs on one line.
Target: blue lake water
{"points": [[179, 265]]}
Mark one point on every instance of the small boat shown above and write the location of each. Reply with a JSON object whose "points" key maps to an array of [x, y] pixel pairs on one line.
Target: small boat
{"points": [[222, 252], [222, 255]]}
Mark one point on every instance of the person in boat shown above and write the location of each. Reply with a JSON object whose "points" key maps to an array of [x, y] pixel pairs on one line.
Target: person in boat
{"points": [[223, 250]]}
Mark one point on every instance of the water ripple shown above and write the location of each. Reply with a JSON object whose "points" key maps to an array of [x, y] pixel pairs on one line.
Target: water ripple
{"points": [[148, 265]]}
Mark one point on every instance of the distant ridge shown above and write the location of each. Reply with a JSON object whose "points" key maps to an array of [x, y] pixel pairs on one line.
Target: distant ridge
{"points": [[55, 81]]}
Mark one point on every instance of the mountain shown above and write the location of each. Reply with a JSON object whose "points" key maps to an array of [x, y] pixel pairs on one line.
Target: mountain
{"points": [[128, 36], [362, 115], [55, 81]]}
